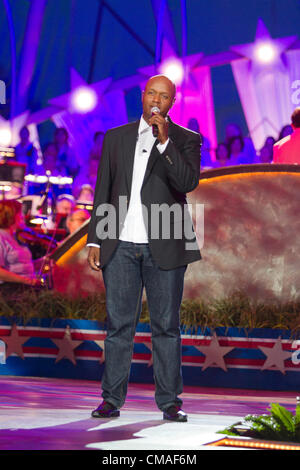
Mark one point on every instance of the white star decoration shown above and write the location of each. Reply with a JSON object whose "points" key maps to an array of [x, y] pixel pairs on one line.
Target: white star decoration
{"points": [[263, 37], [214, 354], [275, 357], [14, 342], [66, 346], [169, 54], [14, 126], [64, 101]]}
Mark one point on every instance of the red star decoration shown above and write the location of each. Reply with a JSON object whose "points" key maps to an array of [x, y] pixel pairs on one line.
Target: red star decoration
{"points": [[66, 346], [14, 342]]}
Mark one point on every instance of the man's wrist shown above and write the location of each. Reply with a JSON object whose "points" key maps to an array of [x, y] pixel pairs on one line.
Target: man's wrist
{"points": [[162, 146]]}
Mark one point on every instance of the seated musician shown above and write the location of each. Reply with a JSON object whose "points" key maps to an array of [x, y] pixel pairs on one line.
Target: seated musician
{"points": [[65, 204], [16, 266], [76, 219]]}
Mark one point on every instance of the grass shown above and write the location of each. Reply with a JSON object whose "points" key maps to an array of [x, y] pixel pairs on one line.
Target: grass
{"points": [[236, 310]]}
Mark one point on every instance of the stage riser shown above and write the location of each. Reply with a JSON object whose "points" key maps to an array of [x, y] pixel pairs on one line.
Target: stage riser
{"points": [[244, 364]]}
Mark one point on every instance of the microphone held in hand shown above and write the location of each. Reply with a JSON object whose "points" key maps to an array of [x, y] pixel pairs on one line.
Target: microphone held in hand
{"points": [[155, 110]]}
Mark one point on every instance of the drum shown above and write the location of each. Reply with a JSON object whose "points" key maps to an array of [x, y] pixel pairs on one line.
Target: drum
{"points": [[37, 184]]}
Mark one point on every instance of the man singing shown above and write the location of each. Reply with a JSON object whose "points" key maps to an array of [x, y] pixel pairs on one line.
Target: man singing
{"points": [[149, 164]]}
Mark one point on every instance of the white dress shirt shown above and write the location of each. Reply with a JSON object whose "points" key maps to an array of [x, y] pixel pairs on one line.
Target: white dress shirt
{"points": [[134, 229]]}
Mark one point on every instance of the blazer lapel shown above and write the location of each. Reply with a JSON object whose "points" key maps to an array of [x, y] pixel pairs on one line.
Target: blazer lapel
{"points": [[155, 153], [129, 144], [152, 159]]}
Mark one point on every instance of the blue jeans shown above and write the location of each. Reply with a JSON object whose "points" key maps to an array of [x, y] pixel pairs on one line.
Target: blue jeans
{"points": [[130, 269]]}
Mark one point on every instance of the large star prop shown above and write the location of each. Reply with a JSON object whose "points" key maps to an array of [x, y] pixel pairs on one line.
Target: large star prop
{"points": [[103, 89], [66, 346], [264, 39], [65, 101], [169, 55], [214, 354], [275, 357], [14, 342], [14, 126]]}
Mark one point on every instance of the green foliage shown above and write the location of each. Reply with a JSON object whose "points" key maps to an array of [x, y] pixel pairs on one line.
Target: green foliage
{"points": [[279, 425], [237, 310], [52, 304], [240, 311]]}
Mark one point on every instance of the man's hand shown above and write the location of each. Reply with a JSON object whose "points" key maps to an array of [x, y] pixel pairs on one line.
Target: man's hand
{"points": [[162, 125], [94, 258]]}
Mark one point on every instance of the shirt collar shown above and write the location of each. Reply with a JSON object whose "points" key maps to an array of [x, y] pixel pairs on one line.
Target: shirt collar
{"points": [[143, 126]]}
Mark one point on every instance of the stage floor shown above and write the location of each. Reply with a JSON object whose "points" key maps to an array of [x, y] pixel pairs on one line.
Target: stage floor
{"points": [[54, 414]]}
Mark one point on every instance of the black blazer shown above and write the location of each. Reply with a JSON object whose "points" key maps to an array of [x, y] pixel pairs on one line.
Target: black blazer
{"points": [[168, 177]]}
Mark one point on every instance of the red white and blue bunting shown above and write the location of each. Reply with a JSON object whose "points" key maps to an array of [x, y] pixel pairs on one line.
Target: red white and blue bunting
{"points": [[75, 348]]}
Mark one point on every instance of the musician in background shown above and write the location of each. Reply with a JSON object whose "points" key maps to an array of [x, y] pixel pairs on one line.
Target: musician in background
{"points": [[76, 219], [65, 204], [86, 194], [15, 192], [287, 149], [88, 174], [16, 265], [25, 152], [49, 158], [66, 161]]}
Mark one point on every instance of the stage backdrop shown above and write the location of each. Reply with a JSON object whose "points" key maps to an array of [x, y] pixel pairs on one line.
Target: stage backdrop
{"points": [[250, 233], [250, 242]]}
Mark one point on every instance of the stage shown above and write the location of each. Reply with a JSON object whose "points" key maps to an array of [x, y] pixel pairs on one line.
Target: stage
{"points": [[43, 414]]}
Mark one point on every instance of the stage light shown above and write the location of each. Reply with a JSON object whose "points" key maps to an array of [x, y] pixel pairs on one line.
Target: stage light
{"points": [[61, 180], [173, 69], [84, 99], [7, 152], [254, 444], [38, 220], [5, 187], [265, 52], [5, 136]]}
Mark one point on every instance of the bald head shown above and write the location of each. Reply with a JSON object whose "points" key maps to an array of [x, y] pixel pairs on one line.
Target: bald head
{"points": [[159, 92], [163, 79]]}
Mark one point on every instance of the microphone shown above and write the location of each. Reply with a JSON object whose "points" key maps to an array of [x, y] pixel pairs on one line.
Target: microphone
{"points": [[44, 196], [155, 110]]}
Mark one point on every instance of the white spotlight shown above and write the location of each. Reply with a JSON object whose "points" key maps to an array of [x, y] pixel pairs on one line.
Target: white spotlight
{"points": [[5, 137], [173, 69], [265, 52], [84, 99]]}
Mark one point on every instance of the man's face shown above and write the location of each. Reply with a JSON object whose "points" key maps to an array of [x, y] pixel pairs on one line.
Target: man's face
{"points": [[159, 92]]}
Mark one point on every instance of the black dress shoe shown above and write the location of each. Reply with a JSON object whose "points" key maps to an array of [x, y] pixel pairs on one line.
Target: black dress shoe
{"points": [[106, 410], [175, 413]]}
